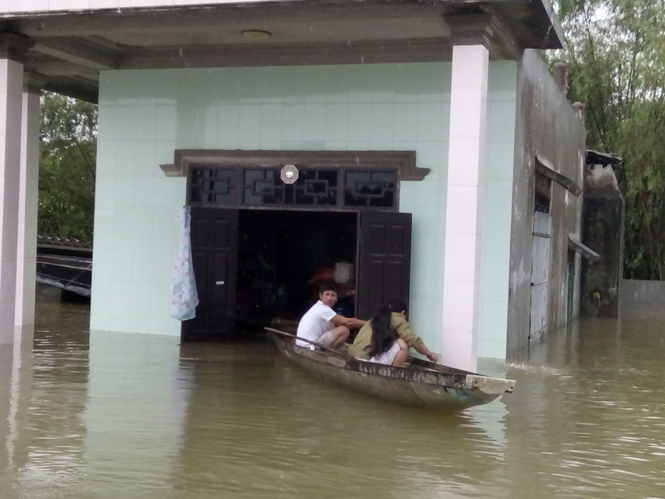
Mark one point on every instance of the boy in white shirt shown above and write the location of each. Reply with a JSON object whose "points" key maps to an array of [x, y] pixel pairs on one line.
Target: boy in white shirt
{"points": [[322, 324]]}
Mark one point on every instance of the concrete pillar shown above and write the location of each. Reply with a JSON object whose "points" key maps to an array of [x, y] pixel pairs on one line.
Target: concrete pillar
{"points": [[26, 268], [12, 47], [466, 157]]}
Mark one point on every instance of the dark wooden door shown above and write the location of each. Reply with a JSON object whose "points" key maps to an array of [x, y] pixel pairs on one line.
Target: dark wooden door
{"points": [[215, 254], [384, 260]]}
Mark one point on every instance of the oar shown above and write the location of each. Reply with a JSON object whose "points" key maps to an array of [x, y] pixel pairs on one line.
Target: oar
{"points": [[323, 347]]}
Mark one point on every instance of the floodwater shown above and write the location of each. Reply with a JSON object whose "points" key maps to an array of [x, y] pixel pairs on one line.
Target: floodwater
{"points": [[137, 416]]}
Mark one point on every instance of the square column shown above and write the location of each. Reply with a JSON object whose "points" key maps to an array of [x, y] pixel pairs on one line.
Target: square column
{"points": [[466, 157], [12, 47], [26, 269]]}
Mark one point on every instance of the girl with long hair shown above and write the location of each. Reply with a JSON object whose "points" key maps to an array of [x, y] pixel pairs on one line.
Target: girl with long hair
{"points": [[387, 338]]}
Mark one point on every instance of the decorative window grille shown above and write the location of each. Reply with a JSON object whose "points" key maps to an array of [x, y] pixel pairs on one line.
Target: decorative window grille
{"points": [[316, 188], [214, 186], [263, 186], [370, 189], [334, 188]]}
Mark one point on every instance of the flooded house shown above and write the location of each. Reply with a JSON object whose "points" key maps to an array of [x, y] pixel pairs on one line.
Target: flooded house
{"points": [[413, 149]]}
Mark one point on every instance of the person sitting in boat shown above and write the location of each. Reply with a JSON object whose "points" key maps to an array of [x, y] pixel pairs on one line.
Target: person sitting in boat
{"points": [[387, 338], [322, 324]]}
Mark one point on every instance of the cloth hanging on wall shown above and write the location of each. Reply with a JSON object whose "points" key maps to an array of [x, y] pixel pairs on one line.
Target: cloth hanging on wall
{"points": [[185, 298]]}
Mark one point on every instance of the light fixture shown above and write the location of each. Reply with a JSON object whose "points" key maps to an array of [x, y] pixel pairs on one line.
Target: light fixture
{"points": [[256, 35], [289, 174]]}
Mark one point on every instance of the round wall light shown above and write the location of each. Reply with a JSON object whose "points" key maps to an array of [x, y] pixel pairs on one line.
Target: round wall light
{"points": [[289, 174]]}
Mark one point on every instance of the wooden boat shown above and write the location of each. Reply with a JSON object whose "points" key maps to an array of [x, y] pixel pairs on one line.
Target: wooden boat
{"points": [[419, 383]]}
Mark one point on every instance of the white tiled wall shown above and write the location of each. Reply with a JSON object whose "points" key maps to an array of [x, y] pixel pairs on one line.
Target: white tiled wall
{"points": [[16, 6], [146, 115]]}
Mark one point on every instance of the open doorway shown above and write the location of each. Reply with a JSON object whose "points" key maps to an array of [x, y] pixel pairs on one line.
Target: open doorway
{"points": [[255, 265], [284, 255]]}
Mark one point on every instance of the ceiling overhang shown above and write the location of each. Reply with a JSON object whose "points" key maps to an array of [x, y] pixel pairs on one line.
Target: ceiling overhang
{"points": [[70, 49]]}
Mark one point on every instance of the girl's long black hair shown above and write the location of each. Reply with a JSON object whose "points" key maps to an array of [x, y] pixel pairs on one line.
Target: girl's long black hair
{"points": [[383, 335]]}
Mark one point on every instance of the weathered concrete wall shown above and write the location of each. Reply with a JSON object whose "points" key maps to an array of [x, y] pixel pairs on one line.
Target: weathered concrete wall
{"points": [[642, 292], [603, 222], [546, 125]]}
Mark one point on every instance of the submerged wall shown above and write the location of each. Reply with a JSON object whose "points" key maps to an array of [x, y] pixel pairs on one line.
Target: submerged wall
{"points": [[547, 125], [642, 292], [145, 115]]}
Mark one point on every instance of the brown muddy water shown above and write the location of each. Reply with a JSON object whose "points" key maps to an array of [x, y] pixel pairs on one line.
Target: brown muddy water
{"points": [[137, 416]]}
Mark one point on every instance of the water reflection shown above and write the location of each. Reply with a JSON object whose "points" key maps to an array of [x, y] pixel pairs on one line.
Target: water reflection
{"points": [[121, 415], [587, 419], [269, 429]]}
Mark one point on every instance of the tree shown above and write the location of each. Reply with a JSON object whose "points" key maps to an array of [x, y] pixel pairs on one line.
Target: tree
{"points": [[615, 52], [67, 154]]}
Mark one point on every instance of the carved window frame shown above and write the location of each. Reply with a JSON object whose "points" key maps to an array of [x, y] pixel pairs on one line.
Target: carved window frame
{"points": [[402, 162]]}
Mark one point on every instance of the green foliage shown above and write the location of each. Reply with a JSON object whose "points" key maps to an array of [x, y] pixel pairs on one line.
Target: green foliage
{"points": [[615, 52], [68, 146]]}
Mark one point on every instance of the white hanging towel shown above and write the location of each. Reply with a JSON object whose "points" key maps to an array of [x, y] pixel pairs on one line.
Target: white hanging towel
{"points": [[185, 298]]}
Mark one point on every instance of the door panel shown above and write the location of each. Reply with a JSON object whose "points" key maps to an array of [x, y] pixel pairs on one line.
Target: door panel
{"points": [[540, 264], [214, 252], [384, 260]]}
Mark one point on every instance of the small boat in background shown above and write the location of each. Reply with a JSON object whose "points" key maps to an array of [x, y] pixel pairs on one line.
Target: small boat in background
{"points": [[65, 263], [418, 383]]}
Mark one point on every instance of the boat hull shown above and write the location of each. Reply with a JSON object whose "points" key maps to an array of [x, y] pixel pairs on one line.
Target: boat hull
{"points": [[440, 389]]}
